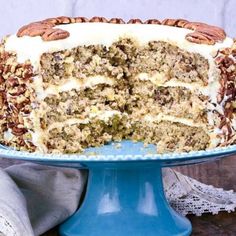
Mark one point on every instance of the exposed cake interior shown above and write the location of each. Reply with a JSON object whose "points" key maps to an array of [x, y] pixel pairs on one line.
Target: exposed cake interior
{"points": [[156, 92]]}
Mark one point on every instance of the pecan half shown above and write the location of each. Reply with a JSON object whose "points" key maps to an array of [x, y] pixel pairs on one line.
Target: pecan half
{"points": [[215, 34], [37, 31], [181, 23], [2, 80], [81, 19], [13, 82], [98, 19], [212, 33], [152, 21], [116, 21], [18, 90], [175, 22], [63, 20], [199, 38], [18, 131], [194, 25], [55, 34], [53, 21], [33, 29], [134, 21], [21, 31], [219, 31], [170, 22]]}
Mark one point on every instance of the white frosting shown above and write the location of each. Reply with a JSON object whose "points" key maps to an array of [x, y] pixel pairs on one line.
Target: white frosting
{"points": [[8, 136], [100, 115], [105, 115], [69, 122], [162, 117], [38, 135], [69, 84], [104, 33], [159, 80]]}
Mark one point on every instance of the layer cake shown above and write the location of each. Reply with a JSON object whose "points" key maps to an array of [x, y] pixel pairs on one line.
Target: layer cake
{"points": [[72, 83]]}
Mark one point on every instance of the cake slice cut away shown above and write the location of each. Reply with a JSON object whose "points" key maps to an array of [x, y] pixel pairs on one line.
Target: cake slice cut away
{"points": [[72, 83]]}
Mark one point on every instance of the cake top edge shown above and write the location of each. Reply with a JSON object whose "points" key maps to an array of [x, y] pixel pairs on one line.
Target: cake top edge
{"points": [[201, 33]]}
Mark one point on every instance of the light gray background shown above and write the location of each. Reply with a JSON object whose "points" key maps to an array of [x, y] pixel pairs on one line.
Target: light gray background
{"points": [[15, 13]]}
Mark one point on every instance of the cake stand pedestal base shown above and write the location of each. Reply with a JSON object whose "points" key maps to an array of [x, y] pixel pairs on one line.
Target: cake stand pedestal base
{"points": [[125, 199]]}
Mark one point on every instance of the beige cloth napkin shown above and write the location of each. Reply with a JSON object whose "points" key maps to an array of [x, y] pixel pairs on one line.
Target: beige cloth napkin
{"points": [[35, 198]]}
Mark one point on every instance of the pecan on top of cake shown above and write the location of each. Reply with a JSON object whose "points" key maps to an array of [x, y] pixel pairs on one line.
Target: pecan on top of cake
{"points": [[202, 33]]}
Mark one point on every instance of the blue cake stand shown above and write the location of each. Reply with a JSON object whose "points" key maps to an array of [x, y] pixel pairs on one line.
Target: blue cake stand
{"points": [[125, 195]]}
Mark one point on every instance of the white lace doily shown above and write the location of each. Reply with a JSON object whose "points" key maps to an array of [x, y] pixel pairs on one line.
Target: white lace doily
{"points": [[6, 228], [188, 196]]}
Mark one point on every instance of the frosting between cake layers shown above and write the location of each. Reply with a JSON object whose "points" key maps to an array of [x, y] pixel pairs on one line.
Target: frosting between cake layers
{"points": [[69, 84], [39, 134], [159, 80], [160, 117], [211, 90], [91, 81], [214, 140]]}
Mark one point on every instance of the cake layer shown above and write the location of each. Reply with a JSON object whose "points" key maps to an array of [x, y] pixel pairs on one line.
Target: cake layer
{"points": [[169, 135], [125, 58], [72, 138]]}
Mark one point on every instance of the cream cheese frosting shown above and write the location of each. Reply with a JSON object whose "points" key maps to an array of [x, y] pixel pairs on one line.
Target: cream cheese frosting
{"points": [[31, 48], [38, 134], [214, 140], [69, 84]]}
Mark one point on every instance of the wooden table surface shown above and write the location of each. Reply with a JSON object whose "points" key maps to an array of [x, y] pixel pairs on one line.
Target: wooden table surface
{"points": [[220, 173]]}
